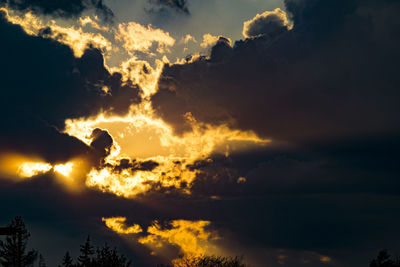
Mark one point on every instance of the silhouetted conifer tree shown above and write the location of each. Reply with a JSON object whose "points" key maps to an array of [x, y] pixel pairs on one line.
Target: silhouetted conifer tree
{"points": [[106, 257], [87, 252], [42, 263], [13, 251], [67, 261], [207, 261], [384, 260]]}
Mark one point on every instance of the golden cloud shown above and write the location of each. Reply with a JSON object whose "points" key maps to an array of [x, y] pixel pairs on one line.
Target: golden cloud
{"points": [[93, 23], [77, 39], [136, 37], [211, 40], [71, 174], [131, 135], [266, 23], [29, 169], [191, 237], [117, 224], [187, 38]]}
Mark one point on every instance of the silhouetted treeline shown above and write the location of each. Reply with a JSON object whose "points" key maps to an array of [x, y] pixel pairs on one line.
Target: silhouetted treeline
{"points": [[14, 253], [384, 259], [100, 257], [207, 261]]}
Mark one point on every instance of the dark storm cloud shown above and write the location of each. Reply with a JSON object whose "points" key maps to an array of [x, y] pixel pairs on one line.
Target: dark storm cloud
{"points": [[63, 8], [43, 84], [333, 75], [178, 5], [363, 165], [326, 92]]}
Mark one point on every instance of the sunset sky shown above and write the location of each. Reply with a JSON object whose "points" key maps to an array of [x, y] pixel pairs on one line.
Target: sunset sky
{"points": [[172, 128]]}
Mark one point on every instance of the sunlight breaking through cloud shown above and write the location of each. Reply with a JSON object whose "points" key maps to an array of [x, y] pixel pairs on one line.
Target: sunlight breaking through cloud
{"points": [[191, 237], [75, 37], [172, 153], [29, 169], [117, 224]]}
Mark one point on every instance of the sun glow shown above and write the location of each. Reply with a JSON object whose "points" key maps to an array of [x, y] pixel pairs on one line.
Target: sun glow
{"points": [[144, 136], [29, 169], [64, 169], [71, 174], [14, 165], [140, 135]]}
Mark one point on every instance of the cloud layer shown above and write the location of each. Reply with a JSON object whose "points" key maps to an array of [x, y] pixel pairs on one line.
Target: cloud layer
{"points": [[178, 5], [330, 76], [63, 8], [44, 84]]}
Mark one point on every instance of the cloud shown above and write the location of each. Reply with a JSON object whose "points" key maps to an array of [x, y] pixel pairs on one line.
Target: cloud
{"points": [[117, 224], [352, 166], [187, 38], [136, 37], [178, 5], [74, 37], [313, 82], [270, 23], [35, 106], [190, 236], [211, 40], [63, 8], [93, 23]]}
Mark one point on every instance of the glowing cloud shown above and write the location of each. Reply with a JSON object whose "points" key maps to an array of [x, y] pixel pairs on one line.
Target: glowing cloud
{"points": [[211, 40], [71, 175], [64, 169], [136, 37], [75, 38], [29, 169], [117, 224], [171, 152], [190, 236], [89, 21], [140, 72], [267, 23], [78, 40], [18, 166], [187, 38]]}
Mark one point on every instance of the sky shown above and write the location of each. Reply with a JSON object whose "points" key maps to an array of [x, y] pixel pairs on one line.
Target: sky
{"points": [[267, 129]]}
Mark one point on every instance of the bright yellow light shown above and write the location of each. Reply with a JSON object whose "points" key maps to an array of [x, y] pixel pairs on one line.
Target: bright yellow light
{"points": [[140, 134], [190, 236], [136, 37], [72, 174], [14, 165], [29, 169], [144, 136], [117, 224], [17, 166], [64, 169], [77, 39]]}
